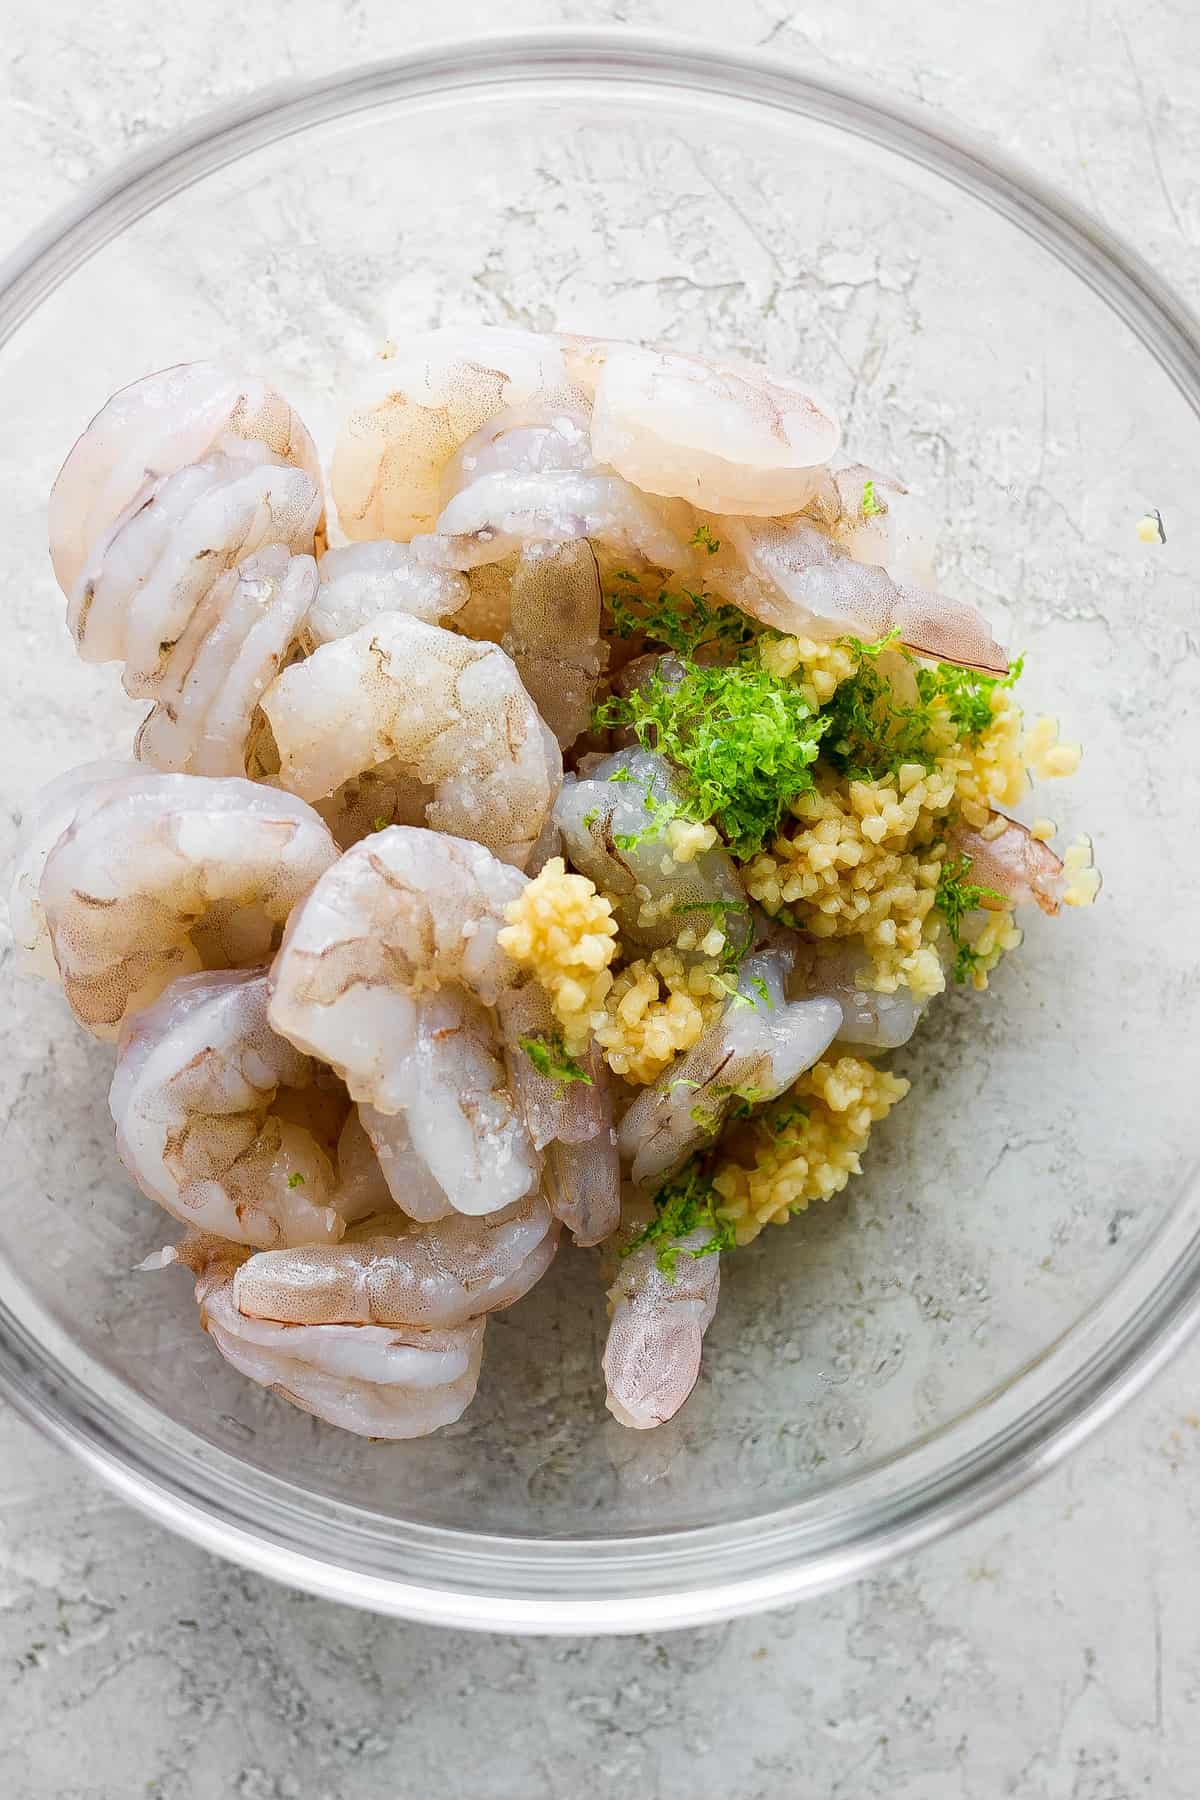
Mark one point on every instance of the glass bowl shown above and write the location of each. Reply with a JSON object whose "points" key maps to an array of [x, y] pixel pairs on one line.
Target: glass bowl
{"points": [[1022, 1249]]}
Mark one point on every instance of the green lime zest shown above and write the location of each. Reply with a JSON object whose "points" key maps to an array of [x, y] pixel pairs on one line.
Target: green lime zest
{"points": [[551, 1061], [684, 1204]]}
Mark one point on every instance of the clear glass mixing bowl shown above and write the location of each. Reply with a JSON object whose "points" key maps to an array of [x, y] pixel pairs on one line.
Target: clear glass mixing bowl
{"points": [[1022, 1249]]}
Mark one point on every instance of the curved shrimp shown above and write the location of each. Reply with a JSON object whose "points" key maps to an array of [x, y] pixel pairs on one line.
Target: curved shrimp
{"points": [[795, 577], [416, 409], [758, 1047], [162, 875], [144, 581], [450, 712], [379, 1381], [409, 1181], [658, 413], [1006, 857], [153, 428], [652, 1353], [208, 692], [385, 973], [44, 821], [553, 634], [434, 1276], [583, 1185], [193, 1098], [607, 823], [360, 581]]}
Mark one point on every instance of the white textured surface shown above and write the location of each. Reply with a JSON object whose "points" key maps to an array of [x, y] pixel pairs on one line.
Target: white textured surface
{"points": [[1051, 1652]]}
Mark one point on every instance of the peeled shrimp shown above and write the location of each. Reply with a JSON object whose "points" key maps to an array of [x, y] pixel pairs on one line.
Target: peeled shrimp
{"points": [[360, 581], [797, 578], [434, 1276], [1019, 867], [44, 822], [208, 691], [418, 406], [881, 1021], [386, 972], [653, 895], [652, 1355], [193, 1102], [153, 428], [583, 1186], [729, 438], [758, 1047], [143, 582], [410, 1182], [553, 634], [897, 532], [451, 713], [379, 1381], [157, 876]]}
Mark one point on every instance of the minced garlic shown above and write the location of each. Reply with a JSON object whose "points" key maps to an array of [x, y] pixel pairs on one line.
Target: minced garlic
{"points": [[807, 1146], [564, 931], [655, 1009]]}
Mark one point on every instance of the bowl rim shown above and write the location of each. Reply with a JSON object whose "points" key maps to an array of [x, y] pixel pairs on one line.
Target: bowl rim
{"points": [[691, 1575]]}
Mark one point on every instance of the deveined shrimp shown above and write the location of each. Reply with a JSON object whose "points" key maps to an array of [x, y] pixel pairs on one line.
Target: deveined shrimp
{"points": [[386, 972], [156, 876], [797, 578], [608, 826], [833, 968], [144, 580], [652, 1355], [410, 1182], [553, 634], [380, 1381], [237, 639], [450, 712], [416, 409], [153, 428], [360, 581], [657, 415], [758, 1047], [193, 1098], [435, 1276], [45, 819]]}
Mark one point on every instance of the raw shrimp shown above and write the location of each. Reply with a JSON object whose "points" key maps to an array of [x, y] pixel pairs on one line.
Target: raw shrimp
{"points": [[657, 415], [553, 634], [144, 581], [157, 876], [208, 692], [758, 1047], [877, 520], [193, 1102], [795, 577], [153, 428], [417, 408], [44, 822], [583, 1185], [652, 894], [652, 1355], [385, 973], [881, 1021], [434, 1276], [450, 712], [1017, 866], [362, 1188], [360, 581], [571, 1110], [379, 1381], [409, 1180]]}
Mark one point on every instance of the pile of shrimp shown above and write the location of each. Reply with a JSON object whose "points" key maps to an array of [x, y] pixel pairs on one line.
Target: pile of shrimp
{"points": [[287, 907]]}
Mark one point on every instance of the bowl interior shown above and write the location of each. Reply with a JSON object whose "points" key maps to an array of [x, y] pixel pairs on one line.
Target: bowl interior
{"points": [[1051, 1120]]}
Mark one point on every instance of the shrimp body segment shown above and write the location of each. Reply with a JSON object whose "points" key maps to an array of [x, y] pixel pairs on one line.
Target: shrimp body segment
{"points": [[157, 876], [192, 1099], [447, 711], [652, 1354], [152, 429], [360, 581]]}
